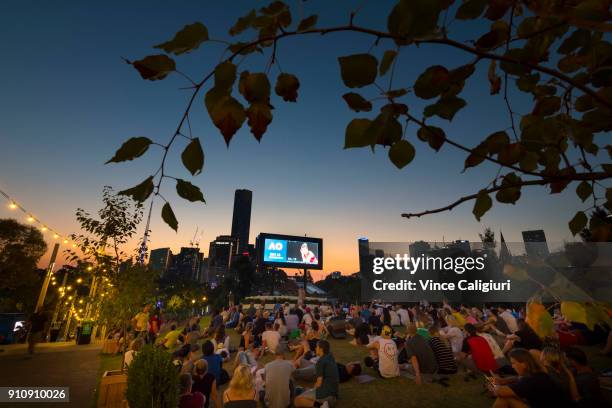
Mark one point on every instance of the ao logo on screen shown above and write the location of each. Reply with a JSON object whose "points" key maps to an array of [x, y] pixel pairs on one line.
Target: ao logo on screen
{"points": [[275, 246]]}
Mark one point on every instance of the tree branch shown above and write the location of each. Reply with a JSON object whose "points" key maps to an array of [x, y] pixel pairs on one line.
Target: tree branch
{"points": [[575, 177]]}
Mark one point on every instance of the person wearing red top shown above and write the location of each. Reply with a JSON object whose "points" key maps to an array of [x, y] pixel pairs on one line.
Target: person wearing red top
{"points": [[154, 325], [189, 399], [307, 255]]}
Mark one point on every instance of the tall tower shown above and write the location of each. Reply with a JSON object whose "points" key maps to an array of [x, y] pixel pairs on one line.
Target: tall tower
{"points": [[241, 220]]}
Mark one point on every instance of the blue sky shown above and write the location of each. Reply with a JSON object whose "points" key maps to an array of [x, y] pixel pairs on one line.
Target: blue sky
{"points": [[68, 101]]}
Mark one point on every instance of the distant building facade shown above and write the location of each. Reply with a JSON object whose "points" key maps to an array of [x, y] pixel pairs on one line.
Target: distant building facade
{"points": [[220, 254], [535, 244], [241, 219], [160, 260], [187, 263]]}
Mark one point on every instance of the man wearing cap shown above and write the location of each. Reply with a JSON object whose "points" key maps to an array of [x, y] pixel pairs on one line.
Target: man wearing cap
{"points": [[383, 354]]}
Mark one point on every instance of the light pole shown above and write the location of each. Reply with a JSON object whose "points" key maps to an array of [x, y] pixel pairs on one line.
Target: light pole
{"points": [[45, 286]]}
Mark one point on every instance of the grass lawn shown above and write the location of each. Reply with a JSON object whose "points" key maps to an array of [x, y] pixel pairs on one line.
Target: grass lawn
{"points": [[397, 393]]}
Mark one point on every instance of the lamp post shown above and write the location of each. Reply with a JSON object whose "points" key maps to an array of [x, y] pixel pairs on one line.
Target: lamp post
{"points": [[45, 286]]}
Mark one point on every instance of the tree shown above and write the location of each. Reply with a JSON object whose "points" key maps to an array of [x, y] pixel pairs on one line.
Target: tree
{"points": [[599, 227], [116, 224], [488, 238], [554, 51], [21, 247]]}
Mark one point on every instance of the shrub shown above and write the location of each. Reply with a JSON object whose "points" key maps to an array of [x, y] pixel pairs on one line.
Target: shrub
{"points": [[153, 381]]}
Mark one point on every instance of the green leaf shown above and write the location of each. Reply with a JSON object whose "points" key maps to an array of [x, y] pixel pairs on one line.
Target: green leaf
{"points": [[193, 157], [414, 18], [358, 70], [357, 102], [482, 204], [478, 155], [214, 96], [497, 141], [578, 222], [133, 148], [254, 87], [307, 23], [584, 103], [432, 135], [578, 38], [385, 129], [511, 154], [396, 93], [169, 217], [511, 67], [188, 39], [386, 61], [243, 23], [225, 75], [511, 191], [584, 190], [259, 117], [471, 9], [401, 153], [356, 134], [529, 162], [287, 86], [446, 107], [547, 106], [155, 67], [188, 191], [432, 82], [228, 115], [140, 192], [244, 48]]}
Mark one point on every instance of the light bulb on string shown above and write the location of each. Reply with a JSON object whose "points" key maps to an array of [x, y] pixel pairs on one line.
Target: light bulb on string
{"points": [[65, 241], [30, 219], [55, 236], [12, 206], [43, 229]]}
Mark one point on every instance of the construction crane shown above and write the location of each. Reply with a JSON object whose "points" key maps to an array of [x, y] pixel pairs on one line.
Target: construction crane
{"points": [[195, 241]]}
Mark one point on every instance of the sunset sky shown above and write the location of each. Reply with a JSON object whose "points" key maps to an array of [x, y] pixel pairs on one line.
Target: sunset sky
{"points": [[68, 101]]}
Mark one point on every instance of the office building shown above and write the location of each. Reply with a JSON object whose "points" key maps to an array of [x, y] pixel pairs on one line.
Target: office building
{"points": [[220, 254], [160, 260], [187, 263], [535, 244], [241, 219]]}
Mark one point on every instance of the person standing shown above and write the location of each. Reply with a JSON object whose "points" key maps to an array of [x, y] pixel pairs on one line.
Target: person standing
{"points": [[141, 322], [38, 321]]}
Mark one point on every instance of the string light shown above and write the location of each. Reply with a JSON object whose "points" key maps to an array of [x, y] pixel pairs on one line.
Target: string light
{"points": [[79, 280], [14, 205]]}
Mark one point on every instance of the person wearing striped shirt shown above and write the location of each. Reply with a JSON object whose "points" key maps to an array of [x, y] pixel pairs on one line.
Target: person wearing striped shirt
{"points": [[442, 352]]}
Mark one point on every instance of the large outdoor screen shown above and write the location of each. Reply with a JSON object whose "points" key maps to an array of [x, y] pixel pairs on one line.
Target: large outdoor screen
{"points": [[290, 251]]}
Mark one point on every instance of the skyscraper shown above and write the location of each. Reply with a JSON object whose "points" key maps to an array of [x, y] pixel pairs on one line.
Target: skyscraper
{"points": [[220, 255], [241, 220], [535, 244], [160, 260]]}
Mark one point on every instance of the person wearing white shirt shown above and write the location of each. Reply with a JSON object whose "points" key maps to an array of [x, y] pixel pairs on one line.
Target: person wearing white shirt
{"points": [[509, 319]]}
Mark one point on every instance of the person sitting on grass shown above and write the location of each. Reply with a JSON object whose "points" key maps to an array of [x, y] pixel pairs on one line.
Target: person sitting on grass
{"points": [[524, 337], [476, 354], [533, 388], [246, 337], [306, 370], [248, 357], [221, 342], [135, 347], [587, 381], [204, 382], [383, 355], [326, 385], [421, 359], [308, 342], [270, 339], [241, 392], [188, 398], [442, 352], [215, 362], [171, 340], [278, 384], [553, 363]]}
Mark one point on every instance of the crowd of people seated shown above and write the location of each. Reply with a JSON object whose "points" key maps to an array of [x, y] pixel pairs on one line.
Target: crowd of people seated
{"points": [[424, 343]]}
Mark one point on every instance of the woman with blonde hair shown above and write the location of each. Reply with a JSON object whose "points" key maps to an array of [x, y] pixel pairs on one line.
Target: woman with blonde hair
{"points": [[241, 391], [553, 362]]}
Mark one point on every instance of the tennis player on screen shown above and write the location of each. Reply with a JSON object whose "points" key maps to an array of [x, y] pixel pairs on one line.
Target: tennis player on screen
{"points": [[307, 255]]}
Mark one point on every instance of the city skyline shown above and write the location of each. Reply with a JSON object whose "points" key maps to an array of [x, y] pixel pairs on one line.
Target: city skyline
{"points": [[67, 113]]}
